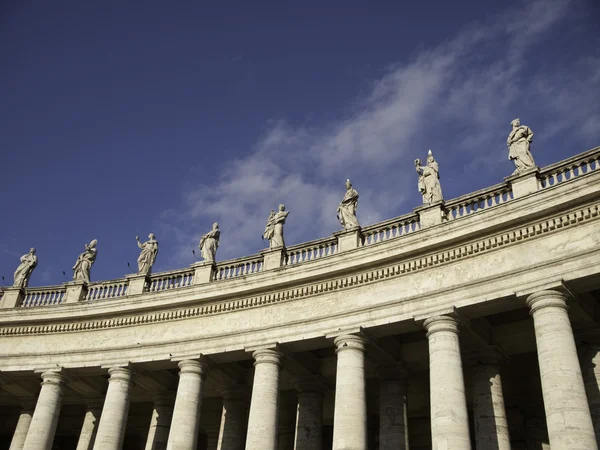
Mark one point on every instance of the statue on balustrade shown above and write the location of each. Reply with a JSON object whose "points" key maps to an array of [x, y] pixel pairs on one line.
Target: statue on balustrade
{"points": [[25, 269], [346, 212], [519, 142], [274, 229], [429, 180], [83, 266], [147, 255], [209, 243]]}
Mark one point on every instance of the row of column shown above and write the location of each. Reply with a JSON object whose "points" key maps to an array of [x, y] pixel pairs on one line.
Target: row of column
{"points": [[568, 415]]}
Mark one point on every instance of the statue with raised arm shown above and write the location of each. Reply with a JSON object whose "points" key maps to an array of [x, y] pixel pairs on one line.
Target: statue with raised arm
{"points": [[429, 180], [519, 142], [209, 243], [147, 255], [346, 212], [274, 228], [83, 266], [25, 269]]}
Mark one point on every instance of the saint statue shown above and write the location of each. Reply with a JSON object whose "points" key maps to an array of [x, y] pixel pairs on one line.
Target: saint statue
{"points": [[209, 243], [519, 141], [147, 255], [83, 266], [429, 180], [274, 229], [25, 269], [346, 212]]}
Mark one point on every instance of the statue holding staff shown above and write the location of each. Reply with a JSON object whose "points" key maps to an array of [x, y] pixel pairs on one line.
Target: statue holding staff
{"points": [[429, 180], [147, 255], [25, 269], [274, 228], [519, 142], [209, 243], [83, 266], [346, 212]]}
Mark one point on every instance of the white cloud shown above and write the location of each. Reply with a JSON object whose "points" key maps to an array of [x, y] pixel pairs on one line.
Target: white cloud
{"points": [[461, 94]]}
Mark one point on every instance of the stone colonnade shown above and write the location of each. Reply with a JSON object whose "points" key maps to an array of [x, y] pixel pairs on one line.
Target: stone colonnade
{"points": [[175, 427]]}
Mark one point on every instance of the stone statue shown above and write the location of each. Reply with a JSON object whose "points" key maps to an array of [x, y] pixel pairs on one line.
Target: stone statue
{"points": [[346, 212], [429, 180], [519, 141], [83, 266], [209, 243], [147, 255], [274, 229], [25, 269]]}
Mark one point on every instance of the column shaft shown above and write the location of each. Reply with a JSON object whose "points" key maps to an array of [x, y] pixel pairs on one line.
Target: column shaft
{"points": [[160, 421], [90, 426], [449, 417], [23, 423], [234, 417], [264, 405], [188, 403], [590, 367], [47, 409], [350, 415], [567, 411], [393, 420], [309, 421], [111, 429]]}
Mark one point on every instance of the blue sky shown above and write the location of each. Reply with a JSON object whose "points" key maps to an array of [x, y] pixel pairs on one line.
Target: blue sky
{"points": [[119, 119]]}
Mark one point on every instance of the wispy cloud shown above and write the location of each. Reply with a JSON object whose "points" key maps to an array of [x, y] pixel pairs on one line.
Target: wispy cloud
{"points": [[461, 94]]}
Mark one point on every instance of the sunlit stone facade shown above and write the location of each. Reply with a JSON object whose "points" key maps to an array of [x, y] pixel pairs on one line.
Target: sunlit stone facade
{"points": [[466, 324]]}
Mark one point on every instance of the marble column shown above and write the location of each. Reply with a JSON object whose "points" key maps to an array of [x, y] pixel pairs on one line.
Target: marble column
{"points": [[160, 421], [590, 366], [188, 403], [90, 424], [567, 411], [489, 413], [234, 418], [309, 421], [393, 419], [264, 405], [350, 415], [288, 405], [25, 416], [448, 404], [111, 429], [47, 409]]}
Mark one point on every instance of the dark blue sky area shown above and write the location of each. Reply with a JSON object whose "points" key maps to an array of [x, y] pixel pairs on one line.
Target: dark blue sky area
{"points": [[116, 116]]}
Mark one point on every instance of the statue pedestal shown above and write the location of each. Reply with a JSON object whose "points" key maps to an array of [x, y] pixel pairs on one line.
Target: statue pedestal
{"points": [[348, 239], [204, 272], [430, 214], [524, 183], [75, 291], [13, 297], [137, 283], [273, 258]]}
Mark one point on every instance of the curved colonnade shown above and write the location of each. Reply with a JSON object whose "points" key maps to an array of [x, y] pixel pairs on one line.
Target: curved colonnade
{"points": [[467, 324]]}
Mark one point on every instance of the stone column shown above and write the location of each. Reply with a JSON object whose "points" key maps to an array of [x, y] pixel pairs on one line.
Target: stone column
{"points": [[449, 417], [491, 426], [47, 409], [90, 425], [162, 413], [234, 418], [393, 420], [111, 430], [350, 415], [590, 366], [567, 411], [309, 421], [264, 405], [188, 403], [288, 405], [25, 415]]}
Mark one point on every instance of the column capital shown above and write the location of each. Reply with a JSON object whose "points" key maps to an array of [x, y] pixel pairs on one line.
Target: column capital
{"points": [[545, 299], [120, 374], [267, 355], [55, 376], [196, 366], [441, 323], [489, 355], [350, 342]]}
